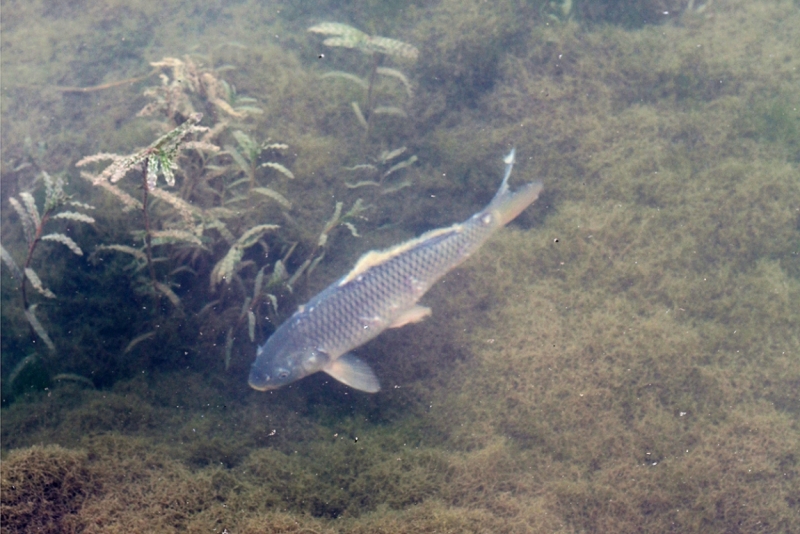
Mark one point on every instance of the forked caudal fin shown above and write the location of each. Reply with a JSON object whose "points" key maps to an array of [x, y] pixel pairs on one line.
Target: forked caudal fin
{"points": [[507, 204]]}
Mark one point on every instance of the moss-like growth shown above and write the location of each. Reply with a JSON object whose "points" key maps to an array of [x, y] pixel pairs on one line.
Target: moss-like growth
{"points": [[44, 488]]}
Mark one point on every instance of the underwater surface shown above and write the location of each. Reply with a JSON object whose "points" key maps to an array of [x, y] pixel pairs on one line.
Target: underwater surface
{"points": [[178, 177]]}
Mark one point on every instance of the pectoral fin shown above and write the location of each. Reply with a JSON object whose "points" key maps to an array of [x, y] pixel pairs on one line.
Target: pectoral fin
{"points": [[351, 371], [412, 315]]}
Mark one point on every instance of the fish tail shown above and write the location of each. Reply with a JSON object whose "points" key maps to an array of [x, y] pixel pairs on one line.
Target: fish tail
{"points": [[506, 204]]}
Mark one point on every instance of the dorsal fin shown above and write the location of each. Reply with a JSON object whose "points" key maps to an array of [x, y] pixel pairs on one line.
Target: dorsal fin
{"points": [[374, 258]]}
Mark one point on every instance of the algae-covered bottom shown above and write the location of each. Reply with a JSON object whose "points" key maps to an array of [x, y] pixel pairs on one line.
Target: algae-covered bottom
{"points": [[623, 358]]}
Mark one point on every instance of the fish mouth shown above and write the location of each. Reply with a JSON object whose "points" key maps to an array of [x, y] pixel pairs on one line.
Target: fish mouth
{"points": [[259, 380]]}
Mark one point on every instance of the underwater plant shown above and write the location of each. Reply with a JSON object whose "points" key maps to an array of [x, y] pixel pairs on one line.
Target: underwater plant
{"points": [[381, 168], [375, 46], [160, 158], [33, 226]]}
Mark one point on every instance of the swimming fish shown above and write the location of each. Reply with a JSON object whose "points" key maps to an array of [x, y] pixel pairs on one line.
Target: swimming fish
{"points": [[380, 292]]}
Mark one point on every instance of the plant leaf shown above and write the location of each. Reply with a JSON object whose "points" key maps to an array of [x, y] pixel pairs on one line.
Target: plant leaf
{"points": [[278, 167], [61, 238], [74, 216], [274, 195], [37, 283], [30, 315]]}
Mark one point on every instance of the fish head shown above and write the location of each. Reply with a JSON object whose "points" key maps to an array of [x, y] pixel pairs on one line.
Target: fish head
{"points": [[280, 362]]}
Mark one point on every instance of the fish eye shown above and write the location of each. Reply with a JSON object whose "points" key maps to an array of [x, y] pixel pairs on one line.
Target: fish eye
{"points": [[283, 374]]}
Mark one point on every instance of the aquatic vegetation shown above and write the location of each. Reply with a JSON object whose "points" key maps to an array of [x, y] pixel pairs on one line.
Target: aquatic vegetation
{"points": [[623, 358], [33, 224], [348, 37], [384, 166]]}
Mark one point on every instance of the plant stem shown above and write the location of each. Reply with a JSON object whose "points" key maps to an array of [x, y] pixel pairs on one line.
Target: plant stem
{"points": [[368, 109], [148, 238]]}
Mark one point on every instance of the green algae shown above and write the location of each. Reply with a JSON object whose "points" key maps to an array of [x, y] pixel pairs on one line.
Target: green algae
{"points": [[624, 359]]}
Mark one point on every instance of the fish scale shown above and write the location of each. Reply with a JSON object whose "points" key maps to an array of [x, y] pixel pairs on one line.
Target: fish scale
{"points": [[380, 292]]}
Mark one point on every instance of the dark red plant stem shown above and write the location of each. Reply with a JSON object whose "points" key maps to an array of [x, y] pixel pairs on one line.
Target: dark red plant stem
{"points": [[147, 238]]}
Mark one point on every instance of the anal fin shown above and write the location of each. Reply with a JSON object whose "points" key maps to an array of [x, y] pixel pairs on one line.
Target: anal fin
{"points": [[414, 314], [353, 372]]}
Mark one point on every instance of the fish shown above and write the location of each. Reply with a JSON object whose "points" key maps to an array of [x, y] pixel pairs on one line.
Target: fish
{"points": [[381, 291]]}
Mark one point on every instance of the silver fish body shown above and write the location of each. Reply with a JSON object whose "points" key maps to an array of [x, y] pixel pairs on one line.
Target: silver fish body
{"points": [[380, 292]]}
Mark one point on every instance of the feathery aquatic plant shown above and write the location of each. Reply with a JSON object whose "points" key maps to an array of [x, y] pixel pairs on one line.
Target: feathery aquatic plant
{"points": [[348, 37], [160, 158], [33, 225]]}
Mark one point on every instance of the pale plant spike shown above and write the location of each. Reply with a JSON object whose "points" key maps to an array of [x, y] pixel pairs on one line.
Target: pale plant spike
{"points": [[30, 315], [77, 204], [135, 252], [233, 185], [138, 339], [228, 347], [16, 272], [251, 325], [388, 155], [358, 207], [119, 168], [333, 221], [344, 42], [30, 206], [259, 282], [160, 237], [184, 209], [129, 203], [36, 282], [61, 238], [390, 47], [347, 76], [166, 170], [359, 115], [54, 192], [280, 168], [394, 73], [394, 188], [74, 216], [274, 301], [102, 156], [279, 274], [274, 195], [363, 183], [245, 142], [245, 307], [251, 237], [401, 165], [238, 159], [352, 229], [152, 172], [202, 146], [248, 109], [337, 28], [224, 267], [390, 110], [362, 166], [167, 291], [28, 227], [49, 186], [275, 146]]}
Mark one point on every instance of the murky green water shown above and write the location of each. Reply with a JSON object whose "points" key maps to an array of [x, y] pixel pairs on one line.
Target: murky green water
{"points": [[624, 357]]}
